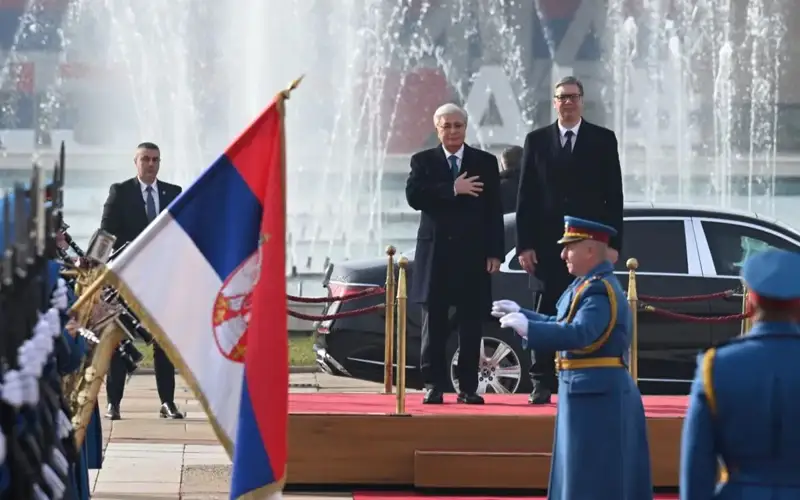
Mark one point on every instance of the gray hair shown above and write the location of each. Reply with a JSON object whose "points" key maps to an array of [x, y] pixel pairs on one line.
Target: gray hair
{"points": [[449, 109], [570, 80]]}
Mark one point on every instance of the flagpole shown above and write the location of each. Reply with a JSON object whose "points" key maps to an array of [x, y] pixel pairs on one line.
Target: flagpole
{"points": [[281, 98]]}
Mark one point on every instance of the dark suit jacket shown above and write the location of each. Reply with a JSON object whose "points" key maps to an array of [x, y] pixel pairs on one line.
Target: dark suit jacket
{"points": [[586, 184], [125, 215], [470, 228]]}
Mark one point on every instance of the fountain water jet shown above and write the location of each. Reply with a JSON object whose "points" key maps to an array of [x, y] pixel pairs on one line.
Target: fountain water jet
{"points": [[193, 75], [197, 74], [681, 118]]}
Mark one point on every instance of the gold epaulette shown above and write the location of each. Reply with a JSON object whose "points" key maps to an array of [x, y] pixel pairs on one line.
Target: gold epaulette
{"points": [[711, 398], [573, 310]]}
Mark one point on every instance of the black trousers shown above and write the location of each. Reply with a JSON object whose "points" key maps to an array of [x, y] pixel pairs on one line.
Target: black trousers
{"points": [[435, 332], [556, 279], [450, 287], [118, 373]]}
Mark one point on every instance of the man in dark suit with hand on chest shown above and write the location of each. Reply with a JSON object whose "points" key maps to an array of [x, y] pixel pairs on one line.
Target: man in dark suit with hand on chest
{"points": [[130, 207], [459, 245], [569, 167]]}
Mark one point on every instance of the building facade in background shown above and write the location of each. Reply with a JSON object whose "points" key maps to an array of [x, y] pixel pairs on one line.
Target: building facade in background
{"points": [[497, 57], [701, 94]]}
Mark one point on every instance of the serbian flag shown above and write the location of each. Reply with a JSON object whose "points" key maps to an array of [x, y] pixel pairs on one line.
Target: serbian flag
{"points": [[207, 278]]}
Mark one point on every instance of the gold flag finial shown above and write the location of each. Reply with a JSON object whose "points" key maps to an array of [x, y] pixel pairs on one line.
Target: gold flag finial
{"points": [[296, 83]]}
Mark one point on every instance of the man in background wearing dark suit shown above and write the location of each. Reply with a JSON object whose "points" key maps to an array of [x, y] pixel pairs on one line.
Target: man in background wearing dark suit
{"points": [[570, 167], [459, 245], [510, 161], [130, 207]]}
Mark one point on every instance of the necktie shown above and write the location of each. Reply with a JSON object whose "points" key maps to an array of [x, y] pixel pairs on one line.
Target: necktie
{"points": [[150, 204], [453, 159], [567, 149]]}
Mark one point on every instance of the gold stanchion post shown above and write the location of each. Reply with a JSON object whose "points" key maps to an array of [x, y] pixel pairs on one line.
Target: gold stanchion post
{"points": [[745, 321], [402, 309], [633, 302], [388, 352]]}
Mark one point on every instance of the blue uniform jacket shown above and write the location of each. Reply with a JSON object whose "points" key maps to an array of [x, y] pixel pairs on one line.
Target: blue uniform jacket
{"points": [[599, 321], [744, 412], [600, 450]]}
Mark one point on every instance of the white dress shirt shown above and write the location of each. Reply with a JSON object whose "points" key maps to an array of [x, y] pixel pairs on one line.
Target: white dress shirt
{"points": [[563, 133], [459, 155], [459, 158], [143, 187]]}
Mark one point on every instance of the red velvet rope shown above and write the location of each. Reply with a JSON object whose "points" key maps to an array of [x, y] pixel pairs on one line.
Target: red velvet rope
{"points": [[689, 298], [694, 319], [345, 314], [367, 292]]}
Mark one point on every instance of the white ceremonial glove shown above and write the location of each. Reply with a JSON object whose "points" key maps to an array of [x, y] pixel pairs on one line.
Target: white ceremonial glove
{"points": [[59, 462], [53, 318], [516, 321], [53, 481], [13, 389], [59, 298], [502, 307], [64, 425]]}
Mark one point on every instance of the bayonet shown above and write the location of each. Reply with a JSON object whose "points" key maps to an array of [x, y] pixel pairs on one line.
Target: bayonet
{"points": [[39, 227], [20, 240], [8, 242]]}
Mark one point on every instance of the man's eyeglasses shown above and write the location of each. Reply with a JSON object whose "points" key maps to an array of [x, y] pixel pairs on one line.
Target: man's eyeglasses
{"points": [[448, 126], [568, 97]]}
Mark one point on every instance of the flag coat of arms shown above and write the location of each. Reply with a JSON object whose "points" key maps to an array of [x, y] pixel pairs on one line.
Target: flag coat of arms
{"points": [[208, 279]]}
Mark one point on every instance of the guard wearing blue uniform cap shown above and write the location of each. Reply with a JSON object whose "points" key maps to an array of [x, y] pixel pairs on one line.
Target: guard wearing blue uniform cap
{"points": [[733, 448], [600, 450]]}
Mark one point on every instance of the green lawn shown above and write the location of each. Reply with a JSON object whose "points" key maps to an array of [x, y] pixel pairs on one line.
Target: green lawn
{"points": [[300, 352]]}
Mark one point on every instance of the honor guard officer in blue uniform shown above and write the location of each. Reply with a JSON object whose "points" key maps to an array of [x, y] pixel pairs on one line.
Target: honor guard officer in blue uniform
{"points": [[600, 449], [741, 434]]}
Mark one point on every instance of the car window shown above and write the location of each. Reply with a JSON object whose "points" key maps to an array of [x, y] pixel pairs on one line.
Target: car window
{"points": [[514, 265], [732, 244], [658, 245]]}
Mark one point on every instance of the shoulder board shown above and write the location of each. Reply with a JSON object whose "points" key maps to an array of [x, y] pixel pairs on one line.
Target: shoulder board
{"points": [[730, 341], [595, 284]]}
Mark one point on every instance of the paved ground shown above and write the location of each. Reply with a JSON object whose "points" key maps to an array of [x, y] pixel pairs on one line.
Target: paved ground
{"points": [[147, 457]]}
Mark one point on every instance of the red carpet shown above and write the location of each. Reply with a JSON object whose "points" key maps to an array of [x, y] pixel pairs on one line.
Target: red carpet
{"points": [[496, 404], [417, 496]]}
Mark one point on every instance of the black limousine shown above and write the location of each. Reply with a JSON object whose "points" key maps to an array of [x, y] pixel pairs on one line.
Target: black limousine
{"points": [[681, 251]]}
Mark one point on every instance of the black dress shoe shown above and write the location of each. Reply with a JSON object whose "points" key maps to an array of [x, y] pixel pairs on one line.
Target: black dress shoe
{"points": [[433, 397], [113, 412], [539, 396], [469, 398], [169, 410]]}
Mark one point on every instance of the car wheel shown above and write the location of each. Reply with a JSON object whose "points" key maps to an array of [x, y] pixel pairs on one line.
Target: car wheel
{"points": [[503, 366]]}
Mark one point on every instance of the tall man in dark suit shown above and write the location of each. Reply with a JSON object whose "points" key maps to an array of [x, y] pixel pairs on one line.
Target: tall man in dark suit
{"points": [[569, 167], [130, 207], [459, 245]]}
